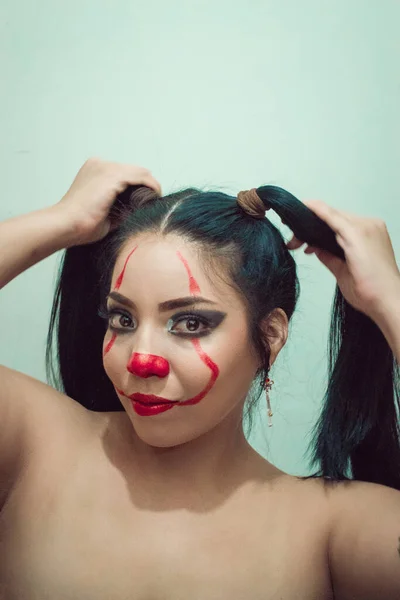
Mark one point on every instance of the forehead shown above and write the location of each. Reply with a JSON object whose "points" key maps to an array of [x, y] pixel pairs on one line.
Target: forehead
{"points": [[165, 267]]}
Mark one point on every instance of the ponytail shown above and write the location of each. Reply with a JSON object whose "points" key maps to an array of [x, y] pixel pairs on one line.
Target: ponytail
{"points": [[357, 433]]}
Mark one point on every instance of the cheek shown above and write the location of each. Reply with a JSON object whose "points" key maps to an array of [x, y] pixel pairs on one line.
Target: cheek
{"points": [[108, 368], [188, 375], [112, 360], [233, 356]]}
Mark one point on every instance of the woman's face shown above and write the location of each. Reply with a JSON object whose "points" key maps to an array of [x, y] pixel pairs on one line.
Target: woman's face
{"points": [[195, 354]]}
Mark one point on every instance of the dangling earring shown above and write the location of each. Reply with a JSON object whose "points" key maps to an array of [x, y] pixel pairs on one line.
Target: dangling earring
{"points": [[268, 386]]}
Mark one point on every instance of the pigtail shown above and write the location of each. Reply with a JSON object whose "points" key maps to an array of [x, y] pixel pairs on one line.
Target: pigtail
{"points": [[358, 428], [358, 423], [74, 363]]}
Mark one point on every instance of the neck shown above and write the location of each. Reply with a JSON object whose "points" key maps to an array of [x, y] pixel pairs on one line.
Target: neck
{"points": [[209, 465]]}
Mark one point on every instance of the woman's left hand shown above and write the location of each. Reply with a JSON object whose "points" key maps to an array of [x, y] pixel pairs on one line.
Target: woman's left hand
{"points": [[370, 276]]}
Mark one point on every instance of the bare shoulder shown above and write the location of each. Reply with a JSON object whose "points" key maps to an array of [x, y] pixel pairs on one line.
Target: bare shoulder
{"points": [[313, 502], [320, 494], [299, 523], [364, 543], [32, 393], [313, 490], [46, 416], [306, 503]]}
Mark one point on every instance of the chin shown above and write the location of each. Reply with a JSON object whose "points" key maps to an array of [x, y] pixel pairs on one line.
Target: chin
{"points": [[161, 437]]}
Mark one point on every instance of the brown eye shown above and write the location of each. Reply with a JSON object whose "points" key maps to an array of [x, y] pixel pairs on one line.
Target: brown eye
{"points": [[191, 324], [118, 320], [123, 320], [195, 324]]}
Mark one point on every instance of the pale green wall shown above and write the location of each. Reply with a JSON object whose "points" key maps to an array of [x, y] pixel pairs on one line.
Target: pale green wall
{"points": [[301, 94]]}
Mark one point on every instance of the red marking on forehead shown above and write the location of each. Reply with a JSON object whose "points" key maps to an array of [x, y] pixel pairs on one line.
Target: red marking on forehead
{"points": [[193, 285], [121, 275]]}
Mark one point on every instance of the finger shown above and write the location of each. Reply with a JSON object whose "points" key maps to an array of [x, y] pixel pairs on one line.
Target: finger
{"points": [[331, 262], [310, 250], [294, 243], [150, 181], [137, 176], [339, 221], [311, 203]]}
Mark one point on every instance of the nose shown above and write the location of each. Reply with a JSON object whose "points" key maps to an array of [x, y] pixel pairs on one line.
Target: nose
{"points": [[146, 365]]}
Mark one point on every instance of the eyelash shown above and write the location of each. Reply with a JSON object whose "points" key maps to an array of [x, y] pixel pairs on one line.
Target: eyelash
{"points": [[107, 314]]}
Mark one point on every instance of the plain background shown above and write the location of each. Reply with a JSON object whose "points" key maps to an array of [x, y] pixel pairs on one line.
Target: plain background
{"points": [[300, 94]]}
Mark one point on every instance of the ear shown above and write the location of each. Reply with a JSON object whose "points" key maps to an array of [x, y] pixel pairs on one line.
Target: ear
{"points": [[275, 328]]}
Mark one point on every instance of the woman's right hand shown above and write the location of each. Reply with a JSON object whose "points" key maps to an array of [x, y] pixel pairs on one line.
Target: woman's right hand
{"points": [[92, 194]]}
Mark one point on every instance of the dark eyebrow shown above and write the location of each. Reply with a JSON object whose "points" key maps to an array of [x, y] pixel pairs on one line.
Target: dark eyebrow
{"points": [[164, 306]]}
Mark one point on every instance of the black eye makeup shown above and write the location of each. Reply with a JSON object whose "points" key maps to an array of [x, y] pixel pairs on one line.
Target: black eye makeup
{"points": [[194, 323]]}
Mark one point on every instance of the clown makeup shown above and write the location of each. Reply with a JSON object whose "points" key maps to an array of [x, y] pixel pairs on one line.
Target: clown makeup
{"points": [[177, 339], [147, 365]]}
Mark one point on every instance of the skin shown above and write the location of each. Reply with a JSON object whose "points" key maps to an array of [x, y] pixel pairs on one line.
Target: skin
{"points": [[201, 438]]}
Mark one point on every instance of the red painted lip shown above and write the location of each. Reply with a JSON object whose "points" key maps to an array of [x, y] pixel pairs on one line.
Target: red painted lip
{"points": [[150, 410], [148, 400]]}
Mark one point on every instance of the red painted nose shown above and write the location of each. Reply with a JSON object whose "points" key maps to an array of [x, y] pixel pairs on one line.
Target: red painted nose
{"points": [[146, 365]]}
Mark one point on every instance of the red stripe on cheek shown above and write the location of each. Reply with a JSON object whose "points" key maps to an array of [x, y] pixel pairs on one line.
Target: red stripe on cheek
{"points": [[110, 343], [195, 290], [211, 365]]}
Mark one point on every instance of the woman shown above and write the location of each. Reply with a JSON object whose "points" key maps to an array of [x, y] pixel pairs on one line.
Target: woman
{"points": [[136, 479]]}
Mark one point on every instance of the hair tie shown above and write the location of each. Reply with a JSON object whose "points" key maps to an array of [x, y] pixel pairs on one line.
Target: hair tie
{"points": [[251, 203]]}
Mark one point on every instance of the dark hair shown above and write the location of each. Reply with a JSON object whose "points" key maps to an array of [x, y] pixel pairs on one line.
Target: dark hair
{"points": [[357, 433]]}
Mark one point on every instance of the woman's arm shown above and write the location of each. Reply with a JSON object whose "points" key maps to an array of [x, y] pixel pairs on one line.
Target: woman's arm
{"points": [[24, 241], [369, 279], [80, 217], [387, 318]]}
